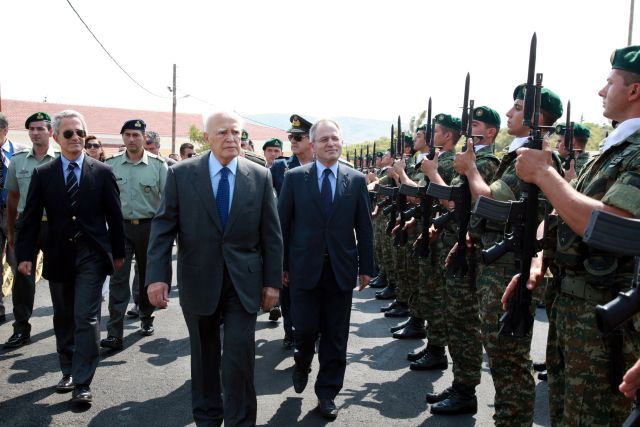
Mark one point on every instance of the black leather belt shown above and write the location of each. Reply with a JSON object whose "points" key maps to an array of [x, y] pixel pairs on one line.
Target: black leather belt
{"points": [[138, 221]]}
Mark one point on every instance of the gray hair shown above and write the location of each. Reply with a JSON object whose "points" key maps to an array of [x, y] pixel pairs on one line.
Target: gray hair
{"points": [[67, 114], [153, 137], [4, 123], [314, 128], [233, 115]]}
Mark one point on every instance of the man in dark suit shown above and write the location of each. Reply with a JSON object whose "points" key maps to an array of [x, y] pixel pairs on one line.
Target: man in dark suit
{"points": [[328, 240], [81, 198], [229, 265]]}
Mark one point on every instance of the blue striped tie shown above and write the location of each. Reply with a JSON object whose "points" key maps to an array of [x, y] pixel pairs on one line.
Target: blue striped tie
{"points": [[72, 184], [222, 197]]}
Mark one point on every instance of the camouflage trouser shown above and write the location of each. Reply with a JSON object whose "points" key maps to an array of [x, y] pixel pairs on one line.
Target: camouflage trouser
{"points": [[509, 357], [411, 279], [379, 226], [397, 256], [578, 367], [386, 252], [430, 301], [463, 328]]}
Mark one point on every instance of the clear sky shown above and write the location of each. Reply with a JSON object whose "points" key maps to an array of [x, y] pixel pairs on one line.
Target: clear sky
{"points": [[371, 59]]}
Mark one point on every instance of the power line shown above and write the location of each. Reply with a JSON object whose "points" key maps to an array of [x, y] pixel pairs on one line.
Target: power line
{"points": [[110, 56]]}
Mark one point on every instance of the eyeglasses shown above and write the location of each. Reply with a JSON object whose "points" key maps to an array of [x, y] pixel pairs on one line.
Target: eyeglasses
{"points": [[297, 137], [90, 145], [68, 134], [190, 155]]}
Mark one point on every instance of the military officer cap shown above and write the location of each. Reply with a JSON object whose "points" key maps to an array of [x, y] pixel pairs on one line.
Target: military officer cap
{"points": [[487, 115], [627, 59], [448, 121], [299, 124], [273, 142], [36, 117], [135, 124], [245, 135], [408, 140], [549, 101]]}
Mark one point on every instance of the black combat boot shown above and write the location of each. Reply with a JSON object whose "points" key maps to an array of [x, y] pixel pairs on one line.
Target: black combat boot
{"points": [[414, 330], [389, 306], [461, 400], [434, 358], [389, 292], [399, 326], [380, 281], [417, 354], [400, 310]]}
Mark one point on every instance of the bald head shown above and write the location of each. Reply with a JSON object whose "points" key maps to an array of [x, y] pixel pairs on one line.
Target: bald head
{"points": [[223, 131], [219, 116]]}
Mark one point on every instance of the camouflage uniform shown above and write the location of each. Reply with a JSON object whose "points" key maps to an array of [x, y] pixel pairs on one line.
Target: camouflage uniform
{"points": [[379, 236], [386, 243], [581, 160], [578, 356], [430, 301], [463, 321]]}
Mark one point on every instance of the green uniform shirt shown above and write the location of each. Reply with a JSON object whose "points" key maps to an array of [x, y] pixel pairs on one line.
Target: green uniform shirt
{"points": [[21, 169], [141, 183], [581, 160]]}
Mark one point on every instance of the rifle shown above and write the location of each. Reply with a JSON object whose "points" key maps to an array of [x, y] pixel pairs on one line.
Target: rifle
{"points": [[392, 148], [461, 195], [568, 139], [401, 236], [391, 208], [517, 321], [374, 157]]}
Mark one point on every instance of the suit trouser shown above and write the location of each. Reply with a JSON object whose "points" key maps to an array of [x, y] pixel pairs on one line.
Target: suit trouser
{"points": [[3, 245], [24, 287], [324, 310], [239, 407], [76, 314], [136, 243], [285, 304]]}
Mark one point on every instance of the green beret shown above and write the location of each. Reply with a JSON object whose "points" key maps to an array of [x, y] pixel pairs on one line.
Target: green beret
{"points": [[422, 128], [245, 135], [549, 101], [448, 121], [408, 140], [627, 58], [561, 129], [581, 131], [36, 117], [379, 154], [273, 142], [487, 115]]}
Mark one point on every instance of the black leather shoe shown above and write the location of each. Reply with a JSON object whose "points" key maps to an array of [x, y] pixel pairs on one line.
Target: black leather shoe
{"points": [[459, 402], [18, 340], [147, 329], [381, 282], [288, 342], [300, 378], [386, 293], [111, 342], [65, 384], [540, 366], [389, 306], [275, 314], [328, 409], [439, 397], [82, 395], [416, 354], [134, 312], [414, 330], [399, 326], [542, 376], [430, 362], [400, 311]]}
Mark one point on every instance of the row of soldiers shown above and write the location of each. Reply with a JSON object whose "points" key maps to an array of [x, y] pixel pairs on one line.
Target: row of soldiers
{"points": [[453, 296]]}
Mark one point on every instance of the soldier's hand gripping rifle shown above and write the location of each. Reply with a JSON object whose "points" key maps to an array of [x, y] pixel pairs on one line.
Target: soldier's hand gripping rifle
{"points": [[568, 139], [461, 196], [401, 236], [522, 215], [613, 233]]}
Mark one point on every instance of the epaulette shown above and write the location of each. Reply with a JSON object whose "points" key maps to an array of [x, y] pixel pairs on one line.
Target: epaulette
{"points": [[250, 155], [155, 156], [114, 155], [21, 151]]}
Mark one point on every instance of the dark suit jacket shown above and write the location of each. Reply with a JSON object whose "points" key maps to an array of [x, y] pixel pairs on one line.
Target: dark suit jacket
{"points": [[97, 204], [279, 168], [250, 247], [307, 235]]}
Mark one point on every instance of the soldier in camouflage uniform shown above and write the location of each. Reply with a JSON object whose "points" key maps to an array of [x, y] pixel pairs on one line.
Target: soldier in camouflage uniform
{"points": [[509, 357], [462, 311], [386, 243], [581, 136], [379, 224], [582, 364]]}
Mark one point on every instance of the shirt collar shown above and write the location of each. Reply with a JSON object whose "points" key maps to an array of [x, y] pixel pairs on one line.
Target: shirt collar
{"points": [[50, 152], [215, 166], [478, 147], [65, 162], [320, 169], [144, 159], [623, 131], [517, 143], [7, 146]]}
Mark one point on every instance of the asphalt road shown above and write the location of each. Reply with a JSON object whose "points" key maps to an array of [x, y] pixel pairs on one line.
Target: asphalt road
{"points": [[148, 383]]}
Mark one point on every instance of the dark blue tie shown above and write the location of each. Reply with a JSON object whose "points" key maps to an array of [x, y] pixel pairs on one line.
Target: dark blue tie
{"points": [[222, 197], [325, 193]]}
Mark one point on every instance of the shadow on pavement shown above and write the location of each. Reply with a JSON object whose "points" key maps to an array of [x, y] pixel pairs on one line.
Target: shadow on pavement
{"points": [[166, 351]]}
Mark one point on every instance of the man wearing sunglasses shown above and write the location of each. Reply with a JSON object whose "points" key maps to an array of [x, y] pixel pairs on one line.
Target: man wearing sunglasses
{"points": [[84, 244], [19, 175], [141, 177], [187, 151], [302, 154]]}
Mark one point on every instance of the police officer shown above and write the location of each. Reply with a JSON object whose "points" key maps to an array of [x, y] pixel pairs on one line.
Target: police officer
{"points": [[19, 174], [141, 178], [585, 368]]}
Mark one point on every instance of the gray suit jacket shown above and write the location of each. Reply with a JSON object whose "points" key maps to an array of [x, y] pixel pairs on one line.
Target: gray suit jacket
{"points": [[347, 235], [250, 247]]}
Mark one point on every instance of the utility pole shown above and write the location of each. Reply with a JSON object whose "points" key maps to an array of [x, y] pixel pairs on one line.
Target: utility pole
{"points": [[630, 23], [173, 118]]}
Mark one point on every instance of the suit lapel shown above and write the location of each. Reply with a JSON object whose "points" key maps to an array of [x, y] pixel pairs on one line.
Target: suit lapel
{"points": [[202, 185], [58, 180], [86, 178], [312, 177], [240, 191], [342, 183]]}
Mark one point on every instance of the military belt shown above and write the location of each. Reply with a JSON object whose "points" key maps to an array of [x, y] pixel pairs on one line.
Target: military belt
{"points": [[138, 221], [578, 287]]}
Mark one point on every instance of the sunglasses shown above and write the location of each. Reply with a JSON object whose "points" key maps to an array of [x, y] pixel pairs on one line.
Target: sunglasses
{"points": [[297, 137], [68, 134], [90, 145], [190, 155]]}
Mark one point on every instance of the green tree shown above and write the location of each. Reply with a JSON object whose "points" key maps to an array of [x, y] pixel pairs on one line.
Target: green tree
{"points": [[196, 136]]}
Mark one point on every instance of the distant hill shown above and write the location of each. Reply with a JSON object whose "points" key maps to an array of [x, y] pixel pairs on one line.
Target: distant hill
{"points": [[354, 130]]}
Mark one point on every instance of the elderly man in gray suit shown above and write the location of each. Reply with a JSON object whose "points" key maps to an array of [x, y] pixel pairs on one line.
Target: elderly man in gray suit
{"points": [[222, 208], [326, 226]]}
